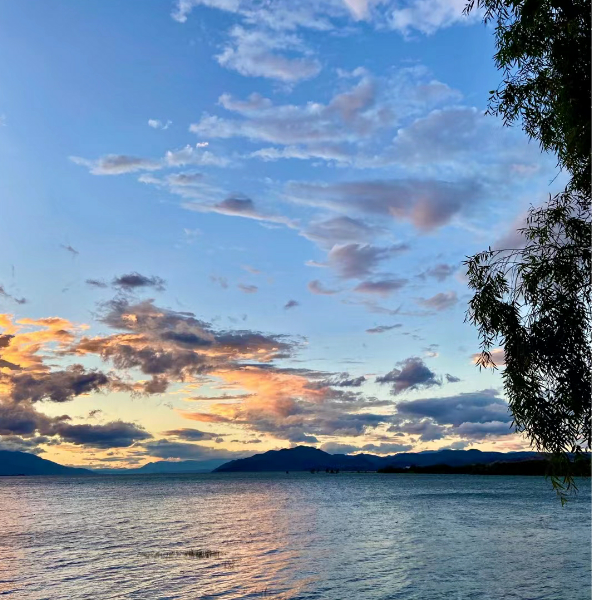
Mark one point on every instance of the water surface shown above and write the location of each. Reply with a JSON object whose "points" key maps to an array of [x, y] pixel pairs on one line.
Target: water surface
{"points": [[297, 536]]}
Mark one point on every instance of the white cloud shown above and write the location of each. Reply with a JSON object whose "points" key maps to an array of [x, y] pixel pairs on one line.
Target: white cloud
{"points": [[157, 124], [256, 53], [189, 155], [428, 16]]}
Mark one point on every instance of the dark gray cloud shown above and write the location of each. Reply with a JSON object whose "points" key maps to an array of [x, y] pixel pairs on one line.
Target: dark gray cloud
{"points": [[413, 374], [190, 435], [358, 260], [291, 304], [15, 443], [57, 386], [96, 283], [380, 287], [469, 407], [383, 448], [134, 281], [426, 429], [20, 418], [383, 328], [441, 301], [344, 380], [167, 449], [116, 434]]}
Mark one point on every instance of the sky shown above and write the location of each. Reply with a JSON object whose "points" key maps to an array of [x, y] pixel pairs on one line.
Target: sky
{"points": [[231, 226]]}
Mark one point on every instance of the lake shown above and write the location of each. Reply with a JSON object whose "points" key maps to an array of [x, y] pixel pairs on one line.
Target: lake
{"points": [[297, 536]]}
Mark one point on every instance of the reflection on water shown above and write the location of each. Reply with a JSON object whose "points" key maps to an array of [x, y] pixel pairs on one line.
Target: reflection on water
{"points": [[296, 536]]}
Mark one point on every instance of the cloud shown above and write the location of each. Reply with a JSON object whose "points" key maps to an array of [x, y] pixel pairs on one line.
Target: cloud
{"points": [[98, 283], [380, 287], [388, 448], [312, 130], [20, 418], [134, 281], [184, 7], [337, 448], [452, 378], [496, 354], [351, 261], [15, 443], [428, 16], [203, 417], [316, 287], [248, 289], [239, 206], [439, 272], [185, 179], [341, 230], [157, 124], [412, 375], [291, 304], [479, 431], [189, 155], [117, 164], [70, 249], [256, 53], [5, 294], [427, 430], [441, 301], [384, 448], [191, 435], [221, 281], [473, 416], [173, 344], [469, 407], [56, 386], [383, 328], [168, 449], [116, 434], [428, 204]]}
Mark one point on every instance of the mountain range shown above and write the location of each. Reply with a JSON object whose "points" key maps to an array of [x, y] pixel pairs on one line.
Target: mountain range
{"points": [[305, 458], [300, 458], [23, 463]]}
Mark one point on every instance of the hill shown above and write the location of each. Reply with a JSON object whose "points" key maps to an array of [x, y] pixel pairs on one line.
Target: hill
{"points": [[306, 458], [167, 466], [23, 463]]}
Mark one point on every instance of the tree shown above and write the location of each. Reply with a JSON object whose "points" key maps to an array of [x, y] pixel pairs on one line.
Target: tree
{"points": [[535, 301]]}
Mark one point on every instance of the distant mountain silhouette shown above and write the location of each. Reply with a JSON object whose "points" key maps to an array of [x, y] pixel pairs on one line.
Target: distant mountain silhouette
{"points": [[23, 463], [168, 466], [537, 467], [305, 458]]}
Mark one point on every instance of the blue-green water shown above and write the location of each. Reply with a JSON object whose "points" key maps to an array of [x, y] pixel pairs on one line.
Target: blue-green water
{"points": [[346, 536]]}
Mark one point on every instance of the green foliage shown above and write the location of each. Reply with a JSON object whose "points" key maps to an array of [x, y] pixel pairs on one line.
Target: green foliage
{"points": [[544, 48], [535, 301]]}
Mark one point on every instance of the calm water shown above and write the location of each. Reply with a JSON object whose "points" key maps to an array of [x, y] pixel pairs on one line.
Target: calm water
{"points": [[345, 537]]}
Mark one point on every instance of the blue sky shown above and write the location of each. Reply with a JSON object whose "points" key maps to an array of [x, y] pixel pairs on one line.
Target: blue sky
{"points": [[331, 156]]}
